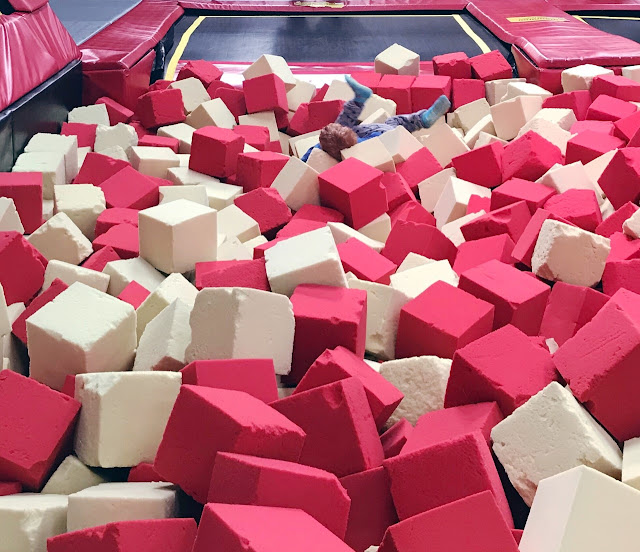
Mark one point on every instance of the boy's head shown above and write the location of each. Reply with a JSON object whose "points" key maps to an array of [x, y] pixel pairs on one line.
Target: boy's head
{"points": [[334, 138]]}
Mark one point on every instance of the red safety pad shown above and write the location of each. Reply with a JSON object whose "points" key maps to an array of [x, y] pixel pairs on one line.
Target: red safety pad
{"points": [[550, 37], [117, 62], [338, 5], [48, 43], [27, 5], [597, 5]]}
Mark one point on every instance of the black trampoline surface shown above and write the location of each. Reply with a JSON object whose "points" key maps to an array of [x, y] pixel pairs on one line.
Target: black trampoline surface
{"points": [[331, 38], [626, 26], [85, 18]]}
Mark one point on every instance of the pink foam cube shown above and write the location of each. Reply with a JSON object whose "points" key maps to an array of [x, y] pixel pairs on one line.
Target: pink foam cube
{"points": [[241, 479], [364, 262], [118, 113], [130, 189], [394, 439], [318, 214], [464, 91], [590, 144], [529, 157], [326, 317], [519, 299], [481, 165], [265, 93], [255, 376], [134, 294], [205, 421], [205, 71], [483, 371], [426, 89], [615, 86], [123, 238], [355, 189], [578, 101], [620, 180], [455, 65], [523, 250], [85, 133], [577, 206], [26, 191], [441, 320], [215, 151], [266, 207], [340, 363], [21, 268], [398, 89], [511, 220], [98, 260], [341, 435], [421, 238], [614, 222], [477, 252], [397, 189], [535, 195], [250, 274], [160, 108], [621, 274], [607, 108], [143, 473], [490, 66], [418, 167]]}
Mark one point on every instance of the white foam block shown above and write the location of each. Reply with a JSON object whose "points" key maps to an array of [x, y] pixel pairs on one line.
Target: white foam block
{"points": [[82, 203], [397, 60], [48, 207], [175, 236], [181, 132], [372, 152], [631, 463], [422, 380], [121, 135], [82, 155], [262, 118], [70, 273], [339, 90], [496, 89], [510, 116], [165, 339], [383, 311], [574, 176], [468, 115], [115, 152], [60, 239], [234, 222], [632, 72], [196, 193], [400, 143], [452, 203], [49, 163], [581, 77], [342, 232], [67, 145], [320, 160], [27, 520], [232, 249], [297, 183], [569, 254], [413, 260], [184, 176], [310, 258], [515, 89], [378, 116], [13, 349], [91, 115], [486, 138], [82, 330], [193, 93], [123, 416], [375, 103], [530, 452], [563, 117], [242, 323], [221, 195], [582, 509], [431, 188], [484, 127], [596, 167], [9, 217], [378, 229], [444, 143], [124, 272], [549, 131], [211, 113], [175, 286], [111, 502], [71, 477], [452, 230], [267, 64], [631, 226], [301, 93], [184, 160], [414, 281], [153, 161]]}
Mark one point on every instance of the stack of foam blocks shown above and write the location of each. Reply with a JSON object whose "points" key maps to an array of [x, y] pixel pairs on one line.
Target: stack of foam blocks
{"points": [[433, 344]]}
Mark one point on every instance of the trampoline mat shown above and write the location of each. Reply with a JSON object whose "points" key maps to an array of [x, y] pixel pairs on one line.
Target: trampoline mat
{"points": [[85, 18], [329, 38], [628, 27]]}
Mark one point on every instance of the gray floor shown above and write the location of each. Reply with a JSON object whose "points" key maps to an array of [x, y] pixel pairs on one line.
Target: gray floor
{"points": [[85, 18]]}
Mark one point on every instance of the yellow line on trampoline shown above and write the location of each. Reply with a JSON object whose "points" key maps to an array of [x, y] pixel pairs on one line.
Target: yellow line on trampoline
{"points": [[177, 55], [472, 35]]}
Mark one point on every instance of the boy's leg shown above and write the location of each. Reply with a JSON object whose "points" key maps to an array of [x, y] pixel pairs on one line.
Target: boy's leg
{"points": [[350, 113], [425, 118]]}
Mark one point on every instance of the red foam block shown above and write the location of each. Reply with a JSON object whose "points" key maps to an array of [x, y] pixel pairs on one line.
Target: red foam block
{"points": [[240, 479], [519, 299], [143, 473], [21, 268], [339, 364], [523, 250], [568, 309], [123, 238], [160, 108], [19, 327], [364, 262], [620, 180], [98, 260], [160, 142], [578, 101], [394, 439], [424, 239], [606, 108], [589, 144], [418, 167], [477, 252], [621, 274], [254, 376], [85, 133], [130, 189], [230, 527], [250, 274], [615, 86], [256, 136], [26, 191], [259, 169], [118, 113], [613, 223], [511, 220], [326, 317], [215, 151], [134, 294], [516, 189], [577, 206], [490, 66], [169, 535], [464, 91], [529, 157], [484, 528], [205, 71], [318, 214], [397, 189], [341, 432], [455, 65], [265, 93], [440, 320], [37, 429], [97, 168], [483, 371], [229, 421], [426, 89], [481, 165], [398, 89]]}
